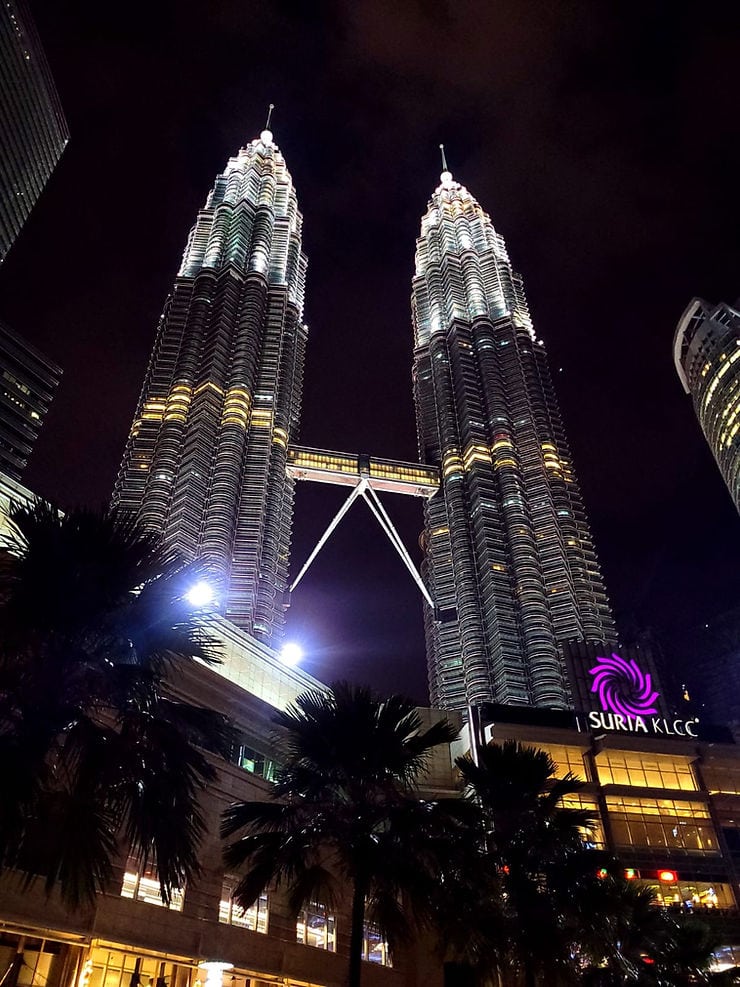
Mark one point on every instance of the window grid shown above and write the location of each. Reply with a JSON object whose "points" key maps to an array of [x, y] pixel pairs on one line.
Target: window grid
{"points": [[645, 771], [593, 835], [566, 759], [665, 824]]}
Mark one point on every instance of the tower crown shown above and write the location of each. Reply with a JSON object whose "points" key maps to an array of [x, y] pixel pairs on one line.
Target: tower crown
{"points": [[463, 269], [251, 220]]}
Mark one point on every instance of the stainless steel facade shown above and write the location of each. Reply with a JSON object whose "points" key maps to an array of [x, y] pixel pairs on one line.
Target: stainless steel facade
{"points": [[706, 351], [33, 131], [205, 462], [509, 557]]}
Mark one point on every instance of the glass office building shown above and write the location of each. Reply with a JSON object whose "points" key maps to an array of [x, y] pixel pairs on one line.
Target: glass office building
{"points": [[509, 557], [28, 381], [706, 352], [33, 131], [205, 461]]}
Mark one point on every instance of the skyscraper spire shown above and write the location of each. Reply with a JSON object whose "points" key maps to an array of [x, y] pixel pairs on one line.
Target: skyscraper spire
{"points": [[444, 159], [509, 558], [205, 460], [269, 115]]}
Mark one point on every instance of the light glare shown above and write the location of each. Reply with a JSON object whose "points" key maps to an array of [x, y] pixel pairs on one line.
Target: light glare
{"points": [[291, 653], [200, 595]]}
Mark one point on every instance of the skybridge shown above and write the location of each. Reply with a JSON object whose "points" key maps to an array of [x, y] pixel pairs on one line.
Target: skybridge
{"points": [[367, 476]]}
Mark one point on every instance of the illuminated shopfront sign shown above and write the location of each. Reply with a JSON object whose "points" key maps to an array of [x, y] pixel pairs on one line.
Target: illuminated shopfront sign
{"points": [[623, 688], [629, 702]]}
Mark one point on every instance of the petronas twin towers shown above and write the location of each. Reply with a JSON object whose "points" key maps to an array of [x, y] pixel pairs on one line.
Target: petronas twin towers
{"points": [[509, 561], [205, 461]]}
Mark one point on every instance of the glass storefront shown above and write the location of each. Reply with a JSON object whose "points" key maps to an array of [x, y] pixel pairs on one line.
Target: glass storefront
{"points": [[663, 824], [691, 895]]}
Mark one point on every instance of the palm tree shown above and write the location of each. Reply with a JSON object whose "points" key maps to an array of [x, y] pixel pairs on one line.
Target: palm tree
{"points": [[345, 814], [535, 846], [94, 748]]}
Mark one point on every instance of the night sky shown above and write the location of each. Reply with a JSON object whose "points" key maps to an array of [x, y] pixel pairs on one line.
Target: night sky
{"points": [[602, 137]]}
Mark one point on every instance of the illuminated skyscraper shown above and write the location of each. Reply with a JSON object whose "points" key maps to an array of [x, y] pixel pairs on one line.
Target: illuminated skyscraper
{"points": [[509, 558], [205, 459], [33, 131], [706, 351]]}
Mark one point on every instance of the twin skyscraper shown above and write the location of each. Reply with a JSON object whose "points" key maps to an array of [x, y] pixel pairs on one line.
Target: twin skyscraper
{"points": [[509, 561]]}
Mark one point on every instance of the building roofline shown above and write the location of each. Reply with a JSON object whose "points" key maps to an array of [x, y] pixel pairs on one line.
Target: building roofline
{"points": [[678, 340]]}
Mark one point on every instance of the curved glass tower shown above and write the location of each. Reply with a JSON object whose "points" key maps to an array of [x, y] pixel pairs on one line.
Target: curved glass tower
{"points": [[205, 461], [509, 557], [706, 351]]}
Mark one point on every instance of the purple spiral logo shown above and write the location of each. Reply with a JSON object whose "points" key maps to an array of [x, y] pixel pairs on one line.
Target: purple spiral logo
{"points": [[622, 687]]}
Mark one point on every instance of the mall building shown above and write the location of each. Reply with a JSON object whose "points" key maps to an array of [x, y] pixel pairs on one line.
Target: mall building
{"points": [[666, 797], [663, 786]]}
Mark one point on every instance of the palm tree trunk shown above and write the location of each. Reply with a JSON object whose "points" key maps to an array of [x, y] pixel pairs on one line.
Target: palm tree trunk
{"points": [[357, 933]]}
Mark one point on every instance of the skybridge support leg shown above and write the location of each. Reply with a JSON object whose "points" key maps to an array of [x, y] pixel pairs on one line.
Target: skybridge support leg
{"points": [[358, 491], [386, 524], [363, 489]]}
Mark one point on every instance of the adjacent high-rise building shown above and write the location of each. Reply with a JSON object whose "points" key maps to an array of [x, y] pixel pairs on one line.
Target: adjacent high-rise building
{"points": [[33, 131], [706, 351], [205, 461], [28, 381], [509, 557]]}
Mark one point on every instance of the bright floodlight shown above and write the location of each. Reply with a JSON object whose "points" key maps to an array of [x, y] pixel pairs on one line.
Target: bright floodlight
{"points": [[200, 594], [291, 653]]}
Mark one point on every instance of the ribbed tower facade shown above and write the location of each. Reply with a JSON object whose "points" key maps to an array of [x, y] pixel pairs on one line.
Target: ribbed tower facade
{"points": [[509, 557], [706, 352], [205, 461]]}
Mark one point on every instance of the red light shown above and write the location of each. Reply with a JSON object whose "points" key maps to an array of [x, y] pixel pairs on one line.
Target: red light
{"points": [[668, 876], [647, 959], [602, 873]]}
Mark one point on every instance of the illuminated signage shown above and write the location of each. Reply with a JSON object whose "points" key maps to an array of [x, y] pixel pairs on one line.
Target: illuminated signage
{"points": [[668, 876], [656, 726], [629, 702], [623, 688]]}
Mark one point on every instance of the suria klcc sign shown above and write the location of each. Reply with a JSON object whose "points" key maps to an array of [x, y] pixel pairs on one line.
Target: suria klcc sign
{"points": [[629, 702]]}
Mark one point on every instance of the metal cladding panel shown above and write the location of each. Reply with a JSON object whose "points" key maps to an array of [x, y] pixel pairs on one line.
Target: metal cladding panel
{"points": [[508, 549], [205, 462]]}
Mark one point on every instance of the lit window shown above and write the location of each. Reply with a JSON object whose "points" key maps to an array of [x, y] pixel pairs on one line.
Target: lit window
{"points": [[645, 770], [593, 835], [229, 912], [566, 759], [141, 881], [253, 761], [374, 946], [115, 968], [316, 927], [690, 895], [666, 824]]}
